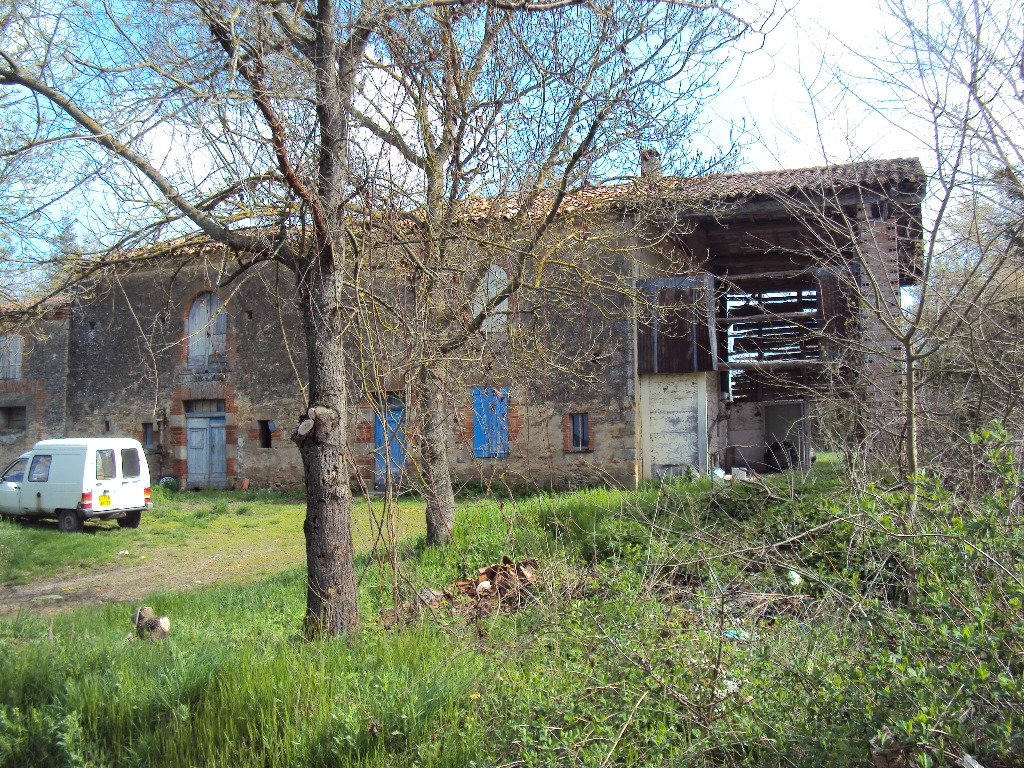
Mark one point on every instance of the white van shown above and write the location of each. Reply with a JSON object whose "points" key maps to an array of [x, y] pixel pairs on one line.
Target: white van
{"points": [[79, 478]]}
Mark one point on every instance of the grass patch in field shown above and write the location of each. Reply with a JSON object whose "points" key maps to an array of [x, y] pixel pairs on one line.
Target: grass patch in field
{"points": [[33, 548], [186, 526]]}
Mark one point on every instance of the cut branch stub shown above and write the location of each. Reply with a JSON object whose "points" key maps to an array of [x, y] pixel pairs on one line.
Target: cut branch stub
{"points": [[317, 416], [325, 418]]}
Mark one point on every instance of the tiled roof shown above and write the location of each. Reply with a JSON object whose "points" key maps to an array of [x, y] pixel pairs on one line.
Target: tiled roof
{"points": [[874, 174], [720, 188], [20, 310]]}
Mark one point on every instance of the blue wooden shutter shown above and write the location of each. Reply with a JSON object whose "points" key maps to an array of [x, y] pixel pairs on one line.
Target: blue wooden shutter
{"points": [[498, 432], [490, 421], [479, 422]]}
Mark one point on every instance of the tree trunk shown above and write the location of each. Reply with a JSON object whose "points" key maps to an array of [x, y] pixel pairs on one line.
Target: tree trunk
{"points": [[910, 407], [432, 455], [332, 605]]}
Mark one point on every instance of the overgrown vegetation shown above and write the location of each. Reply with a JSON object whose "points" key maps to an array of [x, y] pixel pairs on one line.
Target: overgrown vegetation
{"points": [[784, 622]]}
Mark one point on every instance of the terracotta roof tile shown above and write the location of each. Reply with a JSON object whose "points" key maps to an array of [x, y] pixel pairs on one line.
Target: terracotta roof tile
{"points": [[719, 188], [830, 178]]}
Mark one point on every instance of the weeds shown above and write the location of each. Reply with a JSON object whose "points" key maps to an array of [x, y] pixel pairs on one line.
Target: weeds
{"points": [[783, 622]]}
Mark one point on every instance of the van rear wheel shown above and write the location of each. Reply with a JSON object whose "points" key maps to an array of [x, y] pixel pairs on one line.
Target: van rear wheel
{"points": [[130, 520], [68, 521]]}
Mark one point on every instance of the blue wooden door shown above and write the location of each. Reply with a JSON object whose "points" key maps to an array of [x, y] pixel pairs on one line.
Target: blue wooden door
{"points": [[389, 445]]}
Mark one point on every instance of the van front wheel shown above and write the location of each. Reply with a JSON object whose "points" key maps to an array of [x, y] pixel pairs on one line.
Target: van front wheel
{"points": [[130, 520], [68, 521]]}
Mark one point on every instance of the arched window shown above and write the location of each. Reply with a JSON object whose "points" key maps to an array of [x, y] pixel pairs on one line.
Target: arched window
{"points": [[494, 281], [207, 333]]}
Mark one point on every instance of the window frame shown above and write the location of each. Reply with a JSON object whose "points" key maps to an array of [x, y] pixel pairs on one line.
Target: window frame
{"points": [[492, 282], [113, 463], [124, 466], [4, 477], [206, 342], [39, 466], [579, 427], [12, 352]]}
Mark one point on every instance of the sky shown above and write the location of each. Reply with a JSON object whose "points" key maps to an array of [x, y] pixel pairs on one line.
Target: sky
{"points": [[767, 89]]}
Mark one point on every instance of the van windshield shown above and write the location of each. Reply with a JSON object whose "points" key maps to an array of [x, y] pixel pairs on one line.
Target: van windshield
{"points": [[16, 472], [105, 469]]}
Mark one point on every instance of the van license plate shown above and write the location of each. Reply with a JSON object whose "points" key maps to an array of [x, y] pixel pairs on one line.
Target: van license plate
{"points": [[104, 499]]}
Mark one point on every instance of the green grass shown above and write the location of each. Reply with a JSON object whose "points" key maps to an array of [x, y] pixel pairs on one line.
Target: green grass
{"points": [[185, 526], [644, 645]]}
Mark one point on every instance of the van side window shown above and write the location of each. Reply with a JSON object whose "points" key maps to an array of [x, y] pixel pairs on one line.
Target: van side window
{"points": [[130, 466], [39, 472], [16, 472], [105, 469]]}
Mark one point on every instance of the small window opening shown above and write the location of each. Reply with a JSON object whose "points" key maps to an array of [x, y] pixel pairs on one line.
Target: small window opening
{"points": [[248, 314], [12, 418], [580, 427], [876, 212], [266, 430], [147, 435], [92, 325], [106, 425]]}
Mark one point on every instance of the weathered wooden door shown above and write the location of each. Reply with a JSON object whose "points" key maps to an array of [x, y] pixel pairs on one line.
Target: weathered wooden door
{"points": [[207, 454], [673, 412]]}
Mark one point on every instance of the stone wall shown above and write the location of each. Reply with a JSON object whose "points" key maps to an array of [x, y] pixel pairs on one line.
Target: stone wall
{"points": [[128, 369], [41, 387]]}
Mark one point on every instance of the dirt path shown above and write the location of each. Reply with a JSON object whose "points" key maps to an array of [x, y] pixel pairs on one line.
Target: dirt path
{"points": [[130, 581]]}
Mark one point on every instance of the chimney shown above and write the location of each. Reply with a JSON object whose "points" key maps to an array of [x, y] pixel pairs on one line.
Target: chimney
{"points": [[650, 164]]}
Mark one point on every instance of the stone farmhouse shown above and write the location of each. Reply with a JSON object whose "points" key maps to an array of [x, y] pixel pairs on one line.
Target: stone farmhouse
{"points": [[755, 294]]}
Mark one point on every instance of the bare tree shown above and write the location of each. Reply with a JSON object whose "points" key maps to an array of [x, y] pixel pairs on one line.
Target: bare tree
{"points": [[951, 79], [238, 122], [501, 129]]}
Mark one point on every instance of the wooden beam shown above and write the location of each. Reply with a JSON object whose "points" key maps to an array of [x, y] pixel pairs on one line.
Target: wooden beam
{"points": [[782, 273], [808, 314], [770, 365]]}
